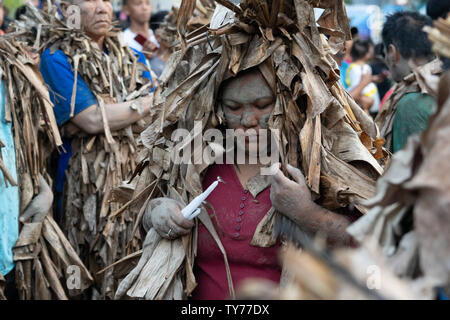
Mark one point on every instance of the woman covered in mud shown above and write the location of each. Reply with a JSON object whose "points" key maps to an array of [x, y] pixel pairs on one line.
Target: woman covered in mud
{"points": [[243, 80], [244, 199]]}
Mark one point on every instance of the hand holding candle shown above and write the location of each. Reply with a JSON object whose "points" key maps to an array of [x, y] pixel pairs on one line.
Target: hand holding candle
{"points": [[192, 209]]}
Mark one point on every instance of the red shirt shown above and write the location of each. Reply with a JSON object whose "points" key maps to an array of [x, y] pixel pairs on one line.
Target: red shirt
{"points": [[238, 214]]}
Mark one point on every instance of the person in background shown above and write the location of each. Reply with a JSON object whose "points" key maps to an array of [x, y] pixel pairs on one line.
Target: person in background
{"points": [[158, 63], [139, 36], [438, 9], [406, 47], [348, 46], [58, 74], [87, 121], [381, 70], [379, 67], [368, 98]]}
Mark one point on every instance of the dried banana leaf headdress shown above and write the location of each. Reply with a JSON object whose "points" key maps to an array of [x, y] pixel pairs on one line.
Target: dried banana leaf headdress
{"points": [[338, 141]]}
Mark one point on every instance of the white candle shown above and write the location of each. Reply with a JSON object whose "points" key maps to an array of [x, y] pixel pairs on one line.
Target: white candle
{"points": [[192, 210]]}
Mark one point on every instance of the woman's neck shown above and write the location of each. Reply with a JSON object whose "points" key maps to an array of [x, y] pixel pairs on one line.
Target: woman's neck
{"points": [[141, 28], [247, 171]]}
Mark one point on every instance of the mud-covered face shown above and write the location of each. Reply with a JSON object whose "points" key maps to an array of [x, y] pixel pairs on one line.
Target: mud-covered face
{"points": [[96, 17], [247, 103]]}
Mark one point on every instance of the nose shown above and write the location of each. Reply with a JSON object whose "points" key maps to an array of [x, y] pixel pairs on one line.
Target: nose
{"points": [[248, 118], [100, 6]]}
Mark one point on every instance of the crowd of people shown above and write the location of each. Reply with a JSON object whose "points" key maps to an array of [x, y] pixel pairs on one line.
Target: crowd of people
{"points": [[100, 128]]}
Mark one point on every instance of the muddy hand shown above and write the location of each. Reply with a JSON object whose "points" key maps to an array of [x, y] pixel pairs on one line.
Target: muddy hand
{"points": [[290, 197], [166, 218]]}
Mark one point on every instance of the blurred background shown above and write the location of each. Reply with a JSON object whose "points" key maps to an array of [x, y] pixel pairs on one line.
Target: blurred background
{"points": [[366, 15]]}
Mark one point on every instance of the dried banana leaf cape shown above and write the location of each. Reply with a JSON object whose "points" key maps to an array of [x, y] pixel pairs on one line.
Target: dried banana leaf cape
{"points": [[340, 153], [416, 187], [100, 164], [42, 252]]}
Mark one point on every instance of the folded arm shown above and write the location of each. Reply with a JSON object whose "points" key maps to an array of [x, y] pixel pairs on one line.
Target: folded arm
{"points": [[119, 115]]}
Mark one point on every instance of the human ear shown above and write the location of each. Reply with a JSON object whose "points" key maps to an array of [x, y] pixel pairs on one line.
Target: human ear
{"points": [[395, 53], [392, 54]]}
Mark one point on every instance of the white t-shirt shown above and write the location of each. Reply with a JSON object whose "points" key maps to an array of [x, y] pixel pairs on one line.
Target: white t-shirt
{"points": [[129, 36], [353, 78]]}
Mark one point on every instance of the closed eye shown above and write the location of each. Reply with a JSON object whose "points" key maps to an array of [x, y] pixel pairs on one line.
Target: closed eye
{"points": [[265, 106], [234, 107]]}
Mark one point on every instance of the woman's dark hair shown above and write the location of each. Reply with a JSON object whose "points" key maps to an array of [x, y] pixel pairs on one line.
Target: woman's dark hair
{"points": [[360, 49], [354, 31], [404, 30], [438, 8]]}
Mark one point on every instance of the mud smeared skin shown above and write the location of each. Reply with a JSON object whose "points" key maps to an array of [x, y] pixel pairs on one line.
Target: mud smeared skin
{"points": [[248, 102], [293, 199], [164, 214], [233, 120], [264, 121]]}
